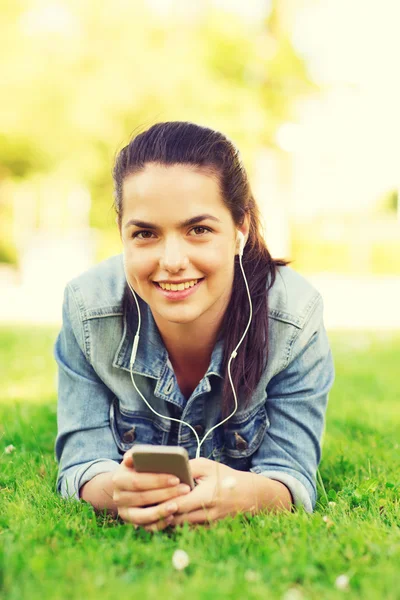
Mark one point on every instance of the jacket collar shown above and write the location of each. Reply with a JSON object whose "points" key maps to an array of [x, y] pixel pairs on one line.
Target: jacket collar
{"points": [[152, 356]]}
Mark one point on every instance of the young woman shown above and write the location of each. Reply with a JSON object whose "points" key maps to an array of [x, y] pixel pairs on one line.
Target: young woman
{"points": [[189, 225]]}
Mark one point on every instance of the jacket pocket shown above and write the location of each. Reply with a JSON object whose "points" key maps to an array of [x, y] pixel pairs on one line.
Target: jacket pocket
{"points": [[243, 435], [134, 427]]}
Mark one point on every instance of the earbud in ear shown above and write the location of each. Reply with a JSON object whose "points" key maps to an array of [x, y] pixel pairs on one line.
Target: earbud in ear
{"points": [[241, 242]]}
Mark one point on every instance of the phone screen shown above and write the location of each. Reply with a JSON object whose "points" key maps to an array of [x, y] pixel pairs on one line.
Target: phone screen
{"points": [[173, 460]]}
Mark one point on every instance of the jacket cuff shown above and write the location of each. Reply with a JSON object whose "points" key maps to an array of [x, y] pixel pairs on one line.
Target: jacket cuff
{"points": [[69, 484], [299, 492]]}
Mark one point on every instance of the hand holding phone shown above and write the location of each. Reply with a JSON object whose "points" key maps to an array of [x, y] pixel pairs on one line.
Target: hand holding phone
{"points": [[146, 498], [173, 460]]}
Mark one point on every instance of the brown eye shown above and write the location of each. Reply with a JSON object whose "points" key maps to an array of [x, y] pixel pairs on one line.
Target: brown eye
{"points": [[137, 233], [202, 229]]}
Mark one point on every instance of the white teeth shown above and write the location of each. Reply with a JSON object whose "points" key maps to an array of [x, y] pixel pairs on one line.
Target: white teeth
{"points": [[177, 287]]}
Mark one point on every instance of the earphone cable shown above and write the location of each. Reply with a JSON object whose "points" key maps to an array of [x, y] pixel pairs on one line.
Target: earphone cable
{"points": [[233, 355]]}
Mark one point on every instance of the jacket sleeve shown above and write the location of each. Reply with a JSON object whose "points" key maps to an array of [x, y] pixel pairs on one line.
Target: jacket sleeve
{"points": [[296, 405], [84, 445]]}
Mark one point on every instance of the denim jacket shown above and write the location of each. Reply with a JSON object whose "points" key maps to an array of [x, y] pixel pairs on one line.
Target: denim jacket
{"points": [[100, 414]]}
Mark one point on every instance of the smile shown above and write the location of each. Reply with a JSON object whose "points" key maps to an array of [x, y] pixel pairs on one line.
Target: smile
{"points": [[178, 286], [173, 291]]}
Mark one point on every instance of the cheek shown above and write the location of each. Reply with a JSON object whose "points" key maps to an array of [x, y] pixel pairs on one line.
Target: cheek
{"points": [[218, 260], [222, 265], [138, 267]]}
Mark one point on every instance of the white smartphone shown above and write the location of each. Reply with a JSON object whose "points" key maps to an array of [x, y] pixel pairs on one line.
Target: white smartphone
{"points": [[173, 460]]}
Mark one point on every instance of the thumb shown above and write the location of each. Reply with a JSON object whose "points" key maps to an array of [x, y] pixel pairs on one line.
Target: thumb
{"points": [[128, 459], [200, 467]]}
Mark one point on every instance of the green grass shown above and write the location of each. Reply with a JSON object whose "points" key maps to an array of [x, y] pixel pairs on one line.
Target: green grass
{"points": [[58, 549]]}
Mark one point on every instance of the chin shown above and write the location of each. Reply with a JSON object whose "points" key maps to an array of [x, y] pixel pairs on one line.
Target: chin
{"points": [[179, 316]]}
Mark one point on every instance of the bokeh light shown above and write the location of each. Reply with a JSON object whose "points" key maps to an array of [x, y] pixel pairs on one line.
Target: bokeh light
{"points": [[308, 90]]}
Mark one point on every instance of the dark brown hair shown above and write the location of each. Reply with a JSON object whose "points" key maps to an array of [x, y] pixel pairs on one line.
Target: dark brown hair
{"points": [[178, 142]]}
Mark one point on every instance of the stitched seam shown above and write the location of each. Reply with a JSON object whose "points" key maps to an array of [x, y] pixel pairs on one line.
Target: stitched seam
{"points": [[284, 318], [309, 309], [113, 314], [86, 332], [248, 415], [311, 306], [75, 300]]}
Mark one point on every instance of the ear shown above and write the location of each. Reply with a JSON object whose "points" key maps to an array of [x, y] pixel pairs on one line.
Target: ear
{"points": [[240, 243], [244, 230]]}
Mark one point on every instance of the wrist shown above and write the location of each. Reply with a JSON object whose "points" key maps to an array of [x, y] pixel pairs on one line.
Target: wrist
{"points": [[269, 494], [99, 493]]}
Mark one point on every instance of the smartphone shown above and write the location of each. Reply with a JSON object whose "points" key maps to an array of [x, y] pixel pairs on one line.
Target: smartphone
{"points": [[173, 460]]}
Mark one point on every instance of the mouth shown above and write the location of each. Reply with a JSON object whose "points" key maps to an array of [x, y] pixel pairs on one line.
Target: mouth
{"points": [[178, 287], [180, 291]]}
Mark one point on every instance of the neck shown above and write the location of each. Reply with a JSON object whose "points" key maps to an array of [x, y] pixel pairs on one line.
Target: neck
{"points": [[187, 348], [189, 345]]}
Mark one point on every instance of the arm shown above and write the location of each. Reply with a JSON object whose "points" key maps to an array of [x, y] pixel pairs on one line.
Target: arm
{"points": [[284, 467], [223, 491], [296, 404], [99, 493], [84, 445], [271, 495]]}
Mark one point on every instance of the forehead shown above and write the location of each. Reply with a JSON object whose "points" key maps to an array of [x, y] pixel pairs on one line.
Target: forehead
{"points": [[174, 187]]}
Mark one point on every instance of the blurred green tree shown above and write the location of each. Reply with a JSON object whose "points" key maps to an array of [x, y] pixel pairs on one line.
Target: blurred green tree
{"points": [[388, 203], [80, 77]]}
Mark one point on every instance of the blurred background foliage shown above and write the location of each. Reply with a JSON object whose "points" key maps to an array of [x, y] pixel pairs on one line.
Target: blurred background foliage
{"points": [[79, 78]]}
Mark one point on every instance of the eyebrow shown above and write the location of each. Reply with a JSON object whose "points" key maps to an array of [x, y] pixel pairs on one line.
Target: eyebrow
{"points": [[181, 225]]}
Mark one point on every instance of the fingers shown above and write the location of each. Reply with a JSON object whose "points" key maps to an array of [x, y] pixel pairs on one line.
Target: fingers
{"points": [[197, 516], [145, 498], [130, 480], [149, 515], [153, 527], [202, 497], [128, 460], [201, 466], [142, 498], [163, 524]]}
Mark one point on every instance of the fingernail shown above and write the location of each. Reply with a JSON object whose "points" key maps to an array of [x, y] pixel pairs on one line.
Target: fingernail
{"points": [[172, 507], [183, 488], [173, 481], [169, 519]]}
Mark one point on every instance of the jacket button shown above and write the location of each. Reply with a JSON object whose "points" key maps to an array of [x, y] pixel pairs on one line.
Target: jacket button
{"points": [[199, 429], [129, 436], [241, 443]]}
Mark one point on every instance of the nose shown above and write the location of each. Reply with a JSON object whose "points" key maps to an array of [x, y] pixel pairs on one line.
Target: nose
{"points": [[173, 257]]}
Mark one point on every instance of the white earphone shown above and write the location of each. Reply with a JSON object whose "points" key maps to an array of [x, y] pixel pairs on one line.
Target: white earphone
{"points": [[240, 240]]}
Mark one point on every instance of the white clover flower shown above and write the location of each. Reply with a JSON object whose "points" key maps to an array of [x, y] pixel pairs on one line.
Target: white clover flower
{"points": [[251, 575], [332, 504], [228, 483], [293, 594], [342, 582], [180, 560], [10, 449], [328, 521]]}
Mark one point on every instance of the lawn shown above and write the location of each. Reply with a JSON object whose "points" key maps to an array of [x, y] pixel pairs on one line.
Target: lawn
{"points": [[58, 549]]}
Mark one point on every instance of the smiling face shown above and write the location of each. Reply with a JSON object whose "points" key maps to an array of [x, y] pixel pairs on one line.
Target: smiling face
{"points": [[176, 228]]}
